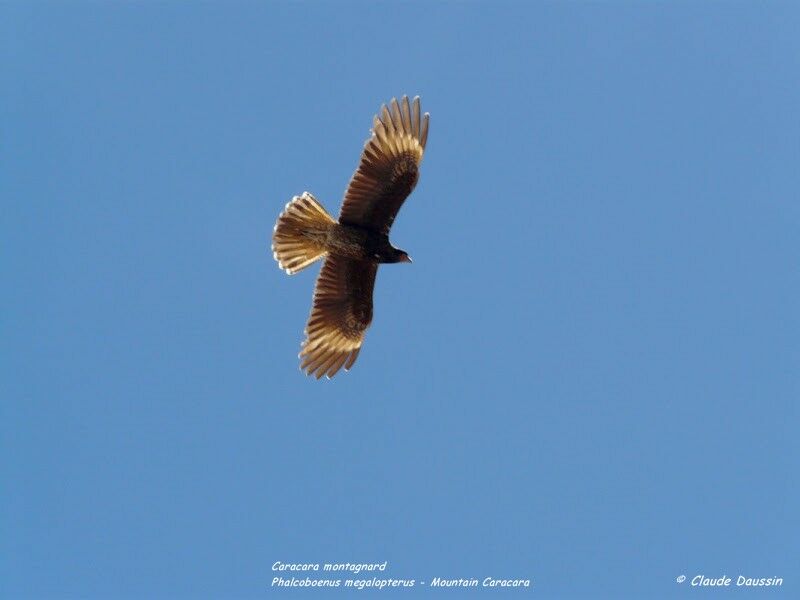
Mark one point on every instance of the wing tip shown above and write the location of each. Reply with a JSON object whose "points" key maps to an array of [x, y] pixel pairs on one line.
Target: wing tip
{"points": [[318, 365], [399, 117]]}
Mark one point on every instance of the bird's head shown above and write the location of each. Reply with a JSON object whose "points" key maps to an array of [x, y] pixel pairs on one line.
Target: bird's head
{"points": [[399, 256]]}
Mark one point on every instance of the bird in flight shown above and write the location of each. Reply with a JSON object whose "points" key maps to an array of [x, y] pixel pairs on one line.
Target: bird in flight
{"points": [[357, 243]]}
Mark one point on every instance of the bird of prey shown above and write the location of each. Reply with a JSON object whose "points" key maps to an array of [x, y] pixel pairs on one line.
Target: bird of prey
{"points": [[357, 243]]}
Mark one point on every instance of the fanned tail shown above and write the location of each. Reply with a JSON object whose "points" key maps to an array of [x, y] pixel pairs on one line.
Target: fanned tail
{"points": [[300, 234]]}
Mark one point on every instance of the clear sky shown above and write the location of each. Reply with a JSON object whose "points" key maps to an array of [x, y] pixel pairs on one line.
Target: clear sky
{"points": [[588, 377]]}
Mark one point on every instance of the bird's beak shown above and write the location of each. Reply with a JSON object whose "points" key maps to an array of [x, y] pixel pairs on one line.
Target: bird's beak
{"points": [[406, 258]]}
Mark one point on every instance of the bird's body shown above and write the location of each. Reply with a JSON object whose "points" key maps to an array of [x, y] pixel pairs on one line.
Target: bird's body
{"points": [[360, 243], [357, 243]]}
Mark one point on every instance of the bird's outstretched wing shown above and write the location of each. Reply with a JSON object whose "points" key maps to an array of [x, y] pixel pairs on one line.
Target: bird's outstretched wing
{"points": [[389, 167], [340, 315]]}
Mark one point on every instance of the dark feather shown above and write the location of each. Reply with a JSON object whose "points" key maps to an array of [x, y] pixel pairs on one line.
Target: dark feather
{"points": [[389, 167], [340, 315]]}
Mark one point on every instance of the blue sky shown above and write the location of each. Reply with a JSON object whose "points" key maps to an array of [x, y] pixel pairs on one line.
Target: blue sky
{"points": [[588, 377]]}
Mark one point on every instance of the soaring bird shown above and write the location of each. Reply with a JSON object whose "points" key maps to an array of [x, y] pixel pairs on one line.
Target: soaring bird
{"points": [[357, 243]]}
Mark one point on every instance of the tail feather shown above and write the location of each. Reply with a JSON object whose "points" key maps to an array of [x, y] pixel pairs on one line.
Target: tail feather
{"points": [[300, 233]]}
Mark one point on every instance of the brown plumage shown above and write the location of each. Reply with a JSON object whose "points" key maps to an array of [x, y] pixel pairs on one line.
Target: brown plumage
{"points": [[357, 243]]}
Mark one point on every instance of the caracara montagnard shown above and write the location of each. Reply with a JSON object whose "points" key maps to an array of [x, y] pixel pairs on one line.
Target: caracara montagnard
{"points": [[357, 243]]}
